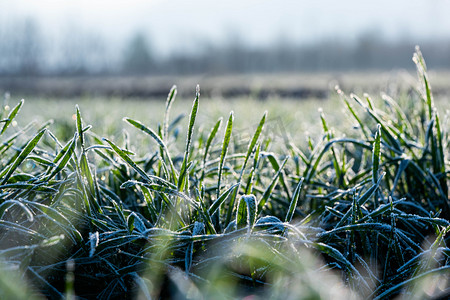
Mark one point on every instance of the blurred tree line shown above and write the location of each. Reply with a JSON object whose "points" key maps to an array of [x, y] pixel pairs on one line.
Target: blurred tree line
{"points": [[24, 51]]}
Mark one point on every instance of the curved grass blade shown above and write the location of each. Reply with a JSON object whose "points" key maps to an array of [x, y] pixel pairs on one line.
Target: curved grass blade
{"points": [[294, 201], [361, 201], [271, 186], [23, 154], [65, 155], [393, 290], [128, 160], [211, 136], [250, 149], [156, 137], [216, 204], [246, 212], [11, 116]]}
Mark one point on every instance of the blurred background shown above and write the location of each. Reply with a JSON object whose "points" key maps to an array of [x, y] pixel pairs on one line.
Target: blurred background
{"points": [[139, 48]]}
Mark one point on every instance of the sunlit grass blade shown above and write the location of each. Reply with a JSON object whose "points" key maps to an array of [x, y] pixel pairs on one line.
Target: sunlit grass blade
{"points": [[246, 212], [268, 192], [376, 154], [294, 201], [225, 144], [156, 137], [22, 156], [11, 116], [128, 160], [209, 141], [183, 171], [80, 128], [62, 158], [170, 98], [216, 204], [250, 149]]}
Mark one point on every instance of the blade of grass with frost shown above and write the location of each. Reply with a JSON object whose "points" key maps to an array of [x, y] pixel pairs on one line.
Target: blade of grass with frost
{"points": [[246, 212], [58, 218], [440, 146], [225, 144], [352, 111], [8, 144], [80, 127], [199, 227], [276, 166], [376, 160], [150, 204], [204, 213], [11, 116], [311, 169], [183, 171], [29, 186], [5, 206], [42, 161], [249, 186], [387, 130], [170, 99], [161, 143], [294, 201], [216, 204], [329, 137], [250, 148], [63, 157], [82, 187], [128, 160], [393, 291], [268, 192], [90, 190], [334, 253], [422, 71], [211, 136], [44, 283], [161, 189], [23, 154], [361, 201], [401, 115]]}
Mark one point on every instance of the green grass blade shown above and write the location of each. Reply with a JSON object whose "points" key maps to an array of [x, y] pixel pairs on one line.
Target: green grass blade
{"points": [[80, 127], [250, 149], [23, 155], [156, 137], [128, 160], [183, 171], [246, 212], [11, 116], [223, 154], [294, 201], [268, 192], [63, 157], [170, 98], [209, 141], [216, 204], [376, 154]]}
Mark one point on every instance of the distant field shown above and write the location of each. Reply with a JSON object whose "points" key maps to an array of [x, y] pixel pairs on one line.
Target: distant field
{"points": [[292, 117], [258, 86]]}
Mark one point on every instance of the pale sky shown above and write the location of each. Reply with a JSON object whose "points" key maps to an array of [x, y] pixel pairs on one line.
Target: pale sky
{"points": [[177, 25]]}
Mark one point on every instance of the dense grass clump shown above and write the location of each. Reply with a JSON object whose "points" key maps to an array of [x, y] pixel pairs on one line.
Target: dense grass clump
{"points": [[365, 215]]}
